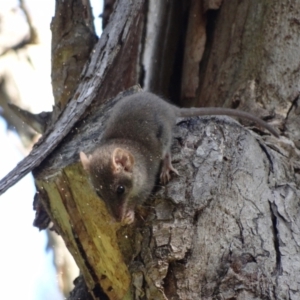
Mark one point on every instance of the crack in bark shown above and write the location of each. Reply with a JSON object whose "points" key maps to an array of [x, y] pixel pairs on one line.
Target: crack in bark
{"points": [[239, 223], [264, 149], [273, 211], [294, 104]]}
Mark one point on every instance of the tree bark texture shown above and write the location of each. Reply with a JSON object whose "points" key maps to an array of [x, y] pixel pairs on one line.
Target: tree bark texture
{"points": [[252, 59], [228, 226], [73, 38], [221, 224]]}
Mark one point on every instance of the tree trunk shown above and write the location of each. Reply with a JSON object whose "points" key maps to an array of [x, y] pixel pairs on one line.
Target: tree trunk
{"points": [[228, 226]]}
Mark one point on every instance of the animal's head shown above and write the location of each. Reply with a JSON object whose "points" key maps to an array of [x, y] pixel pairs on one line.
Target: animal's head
{"points": [[111, 173]]}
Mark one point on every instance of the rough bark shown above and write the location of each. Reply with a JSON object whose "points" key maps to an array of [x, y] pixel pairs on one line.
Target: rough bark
{"points": [[252, 57], [219, 225], [73, 38]]}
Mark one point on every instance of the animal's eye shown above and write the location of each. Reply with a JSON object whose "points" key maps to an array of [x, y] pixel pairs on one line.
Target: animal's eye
{"points": [[120, 189]]}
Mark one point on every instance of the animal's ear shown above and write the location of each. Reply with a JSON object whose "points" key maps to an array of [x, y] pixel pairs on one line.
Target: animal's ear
{"points": [[122, 159], [85, 161]]}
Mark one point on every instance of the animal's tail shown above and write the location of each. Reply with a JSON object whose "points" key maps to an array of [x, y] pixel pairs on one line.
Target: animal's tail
{"points": [[220, 111]]}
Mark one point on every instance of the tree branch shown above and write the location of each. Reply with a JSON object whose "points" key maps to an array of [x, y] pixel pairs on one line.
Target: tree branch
{"points": [[106, 53]]}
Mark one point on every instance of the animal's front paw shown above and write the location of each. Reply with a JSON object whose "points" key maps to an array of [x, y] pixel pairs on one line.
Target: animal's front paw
{"points": [[128, 218], [166, 170]]}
